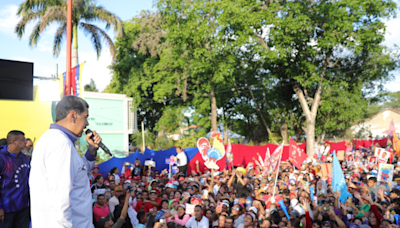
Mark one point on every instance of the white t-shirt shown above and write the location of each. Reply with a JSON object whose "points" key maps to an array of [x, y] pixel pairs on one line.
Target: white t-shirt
{"points": [[216, 189], [238, 221], [192, 223], [117, 179], [182, 159], [327, 149]]}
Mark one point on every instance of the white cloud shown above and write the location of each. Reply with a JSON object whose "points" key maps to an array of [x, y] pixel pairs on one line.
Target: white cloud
{"points": [[392, 35], [8, 19], [45, 46]]}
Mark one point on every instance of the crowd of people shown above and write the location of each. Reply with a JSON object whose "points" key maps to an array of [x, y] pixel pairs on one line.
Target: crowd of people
{"points": [[249, 197], [238, 197]]}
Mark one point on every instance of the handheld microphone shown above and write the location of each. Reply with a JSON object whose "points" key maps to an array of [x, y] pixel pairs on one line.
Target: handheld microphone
{"points": [[101, 145]]}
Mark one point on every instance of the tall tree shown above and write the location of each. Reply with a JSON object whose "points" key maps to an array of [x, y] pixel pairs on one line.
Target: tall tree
{"points": [[319, 44], [196, 63], [46, 12]]}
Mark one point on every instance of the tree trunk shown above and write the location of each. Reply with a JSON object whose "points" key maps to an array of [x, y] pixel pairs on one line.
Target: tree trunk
{"points": [[75, 61], [214, 126], [322, 137], [284, 133], [226, 134], [310, 115], [310, 141]]}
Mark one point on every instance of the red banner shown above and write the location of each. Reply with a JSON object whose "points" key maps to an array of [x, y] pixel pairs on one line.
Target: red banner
{"points": [[297, 155]]}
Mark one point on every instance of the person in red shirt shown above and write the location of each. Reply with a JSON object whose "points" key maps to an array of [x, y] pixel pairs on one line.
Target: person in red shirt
{"points": [[140, 204], [96, 171], [153, 204], [122, 179], [100, 208]]}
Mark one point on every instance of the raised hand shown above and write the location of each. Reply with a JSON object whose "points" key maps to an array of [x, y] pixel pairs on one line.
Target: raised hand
{"points": [[337, 194], [343, 206], [380, 194], [356, 195], [305, 203]]}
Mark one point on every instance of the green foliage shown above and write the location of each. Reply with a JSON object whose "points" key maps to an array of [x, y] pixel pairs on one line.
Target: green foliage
{"points": [[91, 86], [274, 67], [383, 101], [171, 120], [150, 140], [187, 141]]}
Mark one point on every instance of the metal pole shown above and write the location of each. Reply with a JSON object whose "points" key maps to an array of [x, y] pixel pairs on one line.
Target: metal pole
{"points": [[69, 39], [144, 145]]}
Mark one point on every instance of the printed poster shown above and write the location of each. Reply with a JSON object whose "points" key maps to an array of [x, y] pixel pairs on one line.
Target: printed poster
{"points": [[385, 173], [190, 208], [384, 156]]}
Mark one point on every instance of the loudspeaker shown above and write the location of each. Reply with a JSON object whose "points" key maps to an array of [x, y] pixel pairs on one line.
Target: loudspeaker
{"points": [[16, 80]]}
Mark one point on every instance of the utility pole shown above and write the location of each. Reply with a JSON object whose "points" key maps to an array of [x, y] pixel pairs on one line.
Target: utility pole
{"points": [[68, 78]]}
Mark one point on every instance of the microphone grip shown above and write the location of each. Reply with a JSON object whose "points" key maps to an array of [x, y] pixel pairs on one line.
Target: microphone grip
{"points": [[101, 145]]}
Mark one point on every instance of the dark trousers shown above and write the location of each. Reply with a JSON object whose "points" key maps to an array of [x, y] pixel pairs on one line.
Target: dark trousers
{"points": [[183, 169], [18, 219]]}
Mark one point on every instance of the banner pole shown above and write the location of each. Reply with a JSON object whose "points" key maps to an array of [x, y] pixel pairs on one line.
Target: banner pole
{"points": [[144, 144]]}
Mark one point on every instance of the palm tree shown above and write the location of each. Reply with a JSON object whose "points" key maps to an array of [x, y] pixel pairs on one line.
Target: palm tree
{"points": [[46, 12]]}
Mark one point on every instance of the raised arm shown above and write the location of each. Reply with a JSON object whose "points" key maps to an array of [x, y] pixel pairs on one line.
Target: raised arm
{"points": [[124, 211], [232, 178]]}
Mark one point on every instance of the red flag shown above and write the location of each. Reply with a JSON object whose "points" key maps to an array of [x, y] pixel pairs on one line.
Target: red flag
{"points": [[267, 161], [275, 158], [73, 81], [296, 154]]}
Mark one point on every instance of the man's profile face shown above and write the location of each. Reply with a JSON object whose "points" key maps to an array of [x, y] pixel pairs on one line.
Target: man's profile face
{"points": [[80, 122], [29, 144], [18, 142]]}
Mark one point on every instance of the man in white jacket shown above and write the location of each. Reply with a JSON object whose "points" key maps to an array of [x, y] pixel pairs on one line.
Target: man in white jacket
{"points": [[59, 183]]}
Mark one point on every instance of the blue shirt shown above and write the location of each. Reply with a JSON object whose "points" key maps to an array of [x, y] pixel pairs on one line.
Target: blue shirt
{"points": [[14, 178]]}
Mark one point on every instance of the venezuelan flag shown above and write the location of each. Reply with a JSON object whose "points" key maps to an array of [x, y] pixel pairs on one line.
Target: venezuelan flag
{"points": [[77, 87]]}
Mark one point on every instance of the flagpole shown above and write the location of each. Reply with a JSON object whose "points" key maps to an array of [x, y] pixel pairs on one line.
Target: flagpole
{"points": [[277, 172], [68, 77]]}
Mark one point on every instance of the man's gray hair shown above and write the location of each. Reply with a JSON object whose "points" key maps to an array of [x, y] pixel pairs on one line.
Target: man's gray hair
{"points": [[69, 103]]}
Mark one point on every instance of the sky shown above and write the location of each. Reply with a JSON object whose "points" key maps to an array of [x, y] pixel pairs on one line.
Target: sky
{"points": [[13, 48]]}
